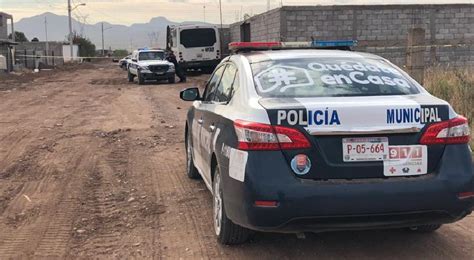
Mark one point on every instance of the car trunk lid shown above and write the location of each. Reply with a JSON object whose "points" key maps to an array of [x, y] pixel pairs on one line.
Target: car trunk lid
{"points": [[397, 121]]}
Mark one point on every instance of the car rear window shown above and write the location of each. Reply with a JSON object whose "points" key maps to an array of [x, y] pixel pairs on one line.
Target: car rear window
{"points": [[330, 77], [193, 38]]}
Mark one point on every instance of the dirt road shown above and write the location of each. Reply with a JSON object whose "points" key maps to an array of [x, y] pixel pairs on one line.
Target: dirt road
{"points": [[94, 167]]}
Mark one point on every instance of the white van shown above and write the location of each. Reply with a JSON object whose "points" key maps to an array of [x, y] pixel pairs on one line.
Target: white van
{"points": [[195, 46]]}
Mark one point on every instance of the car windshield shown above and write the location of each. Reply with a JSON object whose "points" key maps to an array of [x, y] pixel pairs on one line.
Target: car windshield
{"points": [[152, 55], [330, 77]]}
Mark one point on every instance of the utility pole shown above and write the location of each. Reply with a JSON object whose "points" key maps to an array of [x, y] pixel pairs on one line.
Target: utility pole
{"points": [[69, 11], [204, 12], [103, 45], [268, 5], [103, 50], [46, 34], [220, 11]]}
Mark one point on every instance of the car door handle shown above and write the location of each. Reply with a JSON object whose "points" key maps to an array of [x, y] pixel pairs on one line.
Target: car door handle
{"points": [[200, 121], [212, 128]]}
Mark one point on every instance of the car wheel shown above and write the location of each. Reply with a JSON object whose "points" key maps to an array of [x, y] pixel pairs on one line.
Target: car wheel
{"points": [[172, 80], [425, 228], [227, 232], [190, 168], [141, 80], [131, 77]]}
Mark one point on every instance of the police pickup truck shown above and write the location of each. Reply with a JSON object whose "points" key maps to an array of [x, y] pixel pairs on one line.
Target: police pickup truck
{"points": [[148, 64], [309, 140]]}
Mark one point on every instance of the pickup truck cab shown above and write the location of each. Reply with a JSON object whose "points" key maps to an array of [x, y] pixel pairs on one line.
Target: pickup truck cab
{"points": [[150, 65]]}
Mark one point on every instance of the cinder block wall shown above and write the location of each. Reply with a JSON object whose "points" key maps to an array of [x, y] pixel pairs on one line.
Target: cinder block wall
{"points": [[380, 29], [3, 26], [265, 27]]}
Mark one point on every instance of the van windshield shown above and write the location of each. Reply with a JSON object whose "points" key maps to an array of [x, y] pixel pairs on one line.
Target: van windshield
{"points": [[196, 38], [330, 77]]}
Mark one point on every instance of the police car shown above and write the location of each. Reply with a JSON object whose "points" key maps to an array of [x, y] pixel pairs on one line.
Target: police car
{"points": [[148, 64], [294, 139]]}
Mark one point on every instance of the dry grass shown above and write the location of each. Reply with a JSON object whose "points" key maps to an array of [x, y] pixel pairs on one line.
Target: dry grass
{"points": [[455, 86]]}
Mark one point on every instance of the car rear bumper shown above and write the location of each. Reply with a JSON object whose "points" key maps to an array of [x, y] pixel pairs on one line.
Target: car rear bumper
{"points": [[309, 205]]}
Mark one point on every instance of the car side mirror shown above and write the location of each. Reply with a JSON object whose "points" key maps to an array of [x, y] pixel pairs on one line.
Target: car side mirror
{"points": [[190, 94], [134, 60]]}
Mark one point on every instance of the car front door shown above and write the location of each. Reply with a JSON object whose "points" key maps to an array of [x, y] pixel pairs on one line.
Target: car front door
{"points": [[201, 113], [214, 112]]}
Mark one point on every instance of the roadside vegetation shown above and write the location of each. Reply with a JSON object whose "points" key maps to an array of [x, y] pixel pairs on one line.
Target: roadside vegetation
{"points": [[455, 86]]}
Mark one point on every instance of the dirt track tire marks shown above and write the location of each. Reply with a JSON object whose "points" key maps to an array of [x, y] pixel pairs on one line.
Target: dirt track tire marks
{"points": [[46, 233]]}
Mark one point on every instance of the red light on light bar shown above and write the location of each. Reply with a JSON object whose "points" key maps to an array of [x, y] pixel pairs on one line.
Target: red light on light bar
{"points": [[266, 203], [253, 45], [465, 195]]}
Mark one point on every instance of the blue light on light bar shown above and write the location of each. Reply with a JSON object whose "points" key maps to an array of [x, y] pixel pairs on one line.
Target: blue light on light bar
{"points": [[340, 43]]}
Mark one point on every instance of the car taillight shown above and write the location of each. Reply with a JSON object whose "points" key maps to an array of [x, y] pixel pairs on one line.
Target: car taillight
{"points": [[257, 136], [454, 131]]}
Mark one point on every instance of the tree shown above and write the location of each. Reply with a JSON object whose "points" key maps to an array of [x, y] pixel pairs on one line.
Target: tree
{"points": [[19, 37], [120, 53], [86, 47]]}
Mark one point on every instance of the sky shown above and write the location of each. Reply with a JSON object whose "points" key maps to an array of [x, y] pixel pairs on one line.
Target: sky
{"points": [[127, 12]]}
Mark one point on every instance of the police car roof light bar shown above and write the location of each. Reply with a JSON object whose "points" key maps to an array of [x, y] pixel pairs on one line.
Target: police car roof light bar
{"points": [[339, 43], [248, 46], [256, 46]]}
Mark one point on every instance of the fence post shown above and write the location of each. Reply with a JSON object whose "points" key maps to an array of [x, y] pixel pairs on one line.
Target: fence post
{"points": [[26, 60], [53, 57], [416, 54]]}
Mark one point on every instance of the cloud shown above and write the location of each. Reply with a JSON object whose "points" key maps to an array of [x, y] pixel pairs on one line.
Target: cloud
{"points": [[138, 11]]}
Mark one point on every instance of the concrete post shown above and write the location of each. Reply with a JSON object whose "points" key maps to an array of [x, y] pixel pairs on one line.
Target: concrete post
{"points": [[415, 54]]}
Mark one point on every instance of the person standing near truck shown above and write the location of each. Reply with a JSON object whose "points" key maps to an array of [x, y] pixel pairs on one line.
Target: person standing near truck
{"points": [[179, 71]]}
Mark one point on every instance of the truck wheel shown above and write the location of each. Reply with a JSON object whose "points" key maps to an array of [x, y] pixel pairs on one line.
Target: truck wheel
{"points": [[227, 232], [141, 80], [172, 80], [131, 77], [190, 168], [425, 228]]}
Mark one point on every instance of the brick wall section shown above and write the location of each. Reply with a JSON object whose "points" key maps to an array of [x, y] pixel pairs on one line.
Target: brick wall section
{"points": [[263, 27], [380, 29]]}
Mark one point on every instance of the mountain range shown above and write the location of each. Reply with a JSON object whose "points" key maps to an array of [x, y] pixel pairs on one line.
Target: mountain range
{"points": [[151, 34]]}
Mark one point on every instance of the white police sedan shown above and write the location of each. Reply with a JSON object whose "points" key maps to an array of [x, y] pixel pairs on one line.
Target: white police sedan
{"points": [[311, 140]]}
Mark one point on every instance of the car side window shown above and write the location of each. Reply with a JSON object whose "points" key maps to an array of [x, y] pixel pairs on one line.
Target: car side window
{"points": [[213, 83], [223, 92]]}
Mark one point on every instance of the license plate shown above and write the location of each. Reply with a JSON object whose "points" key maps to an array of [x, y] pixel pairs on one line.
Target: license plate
{"points": [[159, 73], [406, 161], [365, 149]]}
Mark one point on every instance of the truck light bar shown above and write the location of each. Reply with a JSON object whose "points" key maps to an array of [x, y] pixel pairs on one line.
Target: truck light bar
{"points": [[254, 46]]}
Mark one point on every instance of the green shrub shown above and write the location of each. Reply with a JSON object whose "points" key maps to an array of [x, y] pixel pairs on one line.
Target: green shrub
{"points": [[455, 86]]}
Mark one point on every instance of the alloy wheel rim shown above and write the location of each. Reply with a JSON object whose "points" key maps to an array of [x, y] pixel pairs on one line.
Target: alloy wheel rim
{"points": [[217, 205], [188, 155]]}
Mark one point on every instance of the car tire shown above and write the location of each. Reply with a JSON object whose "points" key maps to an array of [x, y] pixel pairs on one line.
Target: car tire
{"points": [[190, 168], [141, 80], [227, 232], [172, 80], [131, 77], [425, 228]]}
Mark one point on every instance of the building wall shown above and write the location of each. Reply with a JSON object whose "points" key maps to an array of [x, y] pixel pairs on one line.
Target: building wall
{"points": [[263, 27], [3, 26], [25, 54], [380, 29]]}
